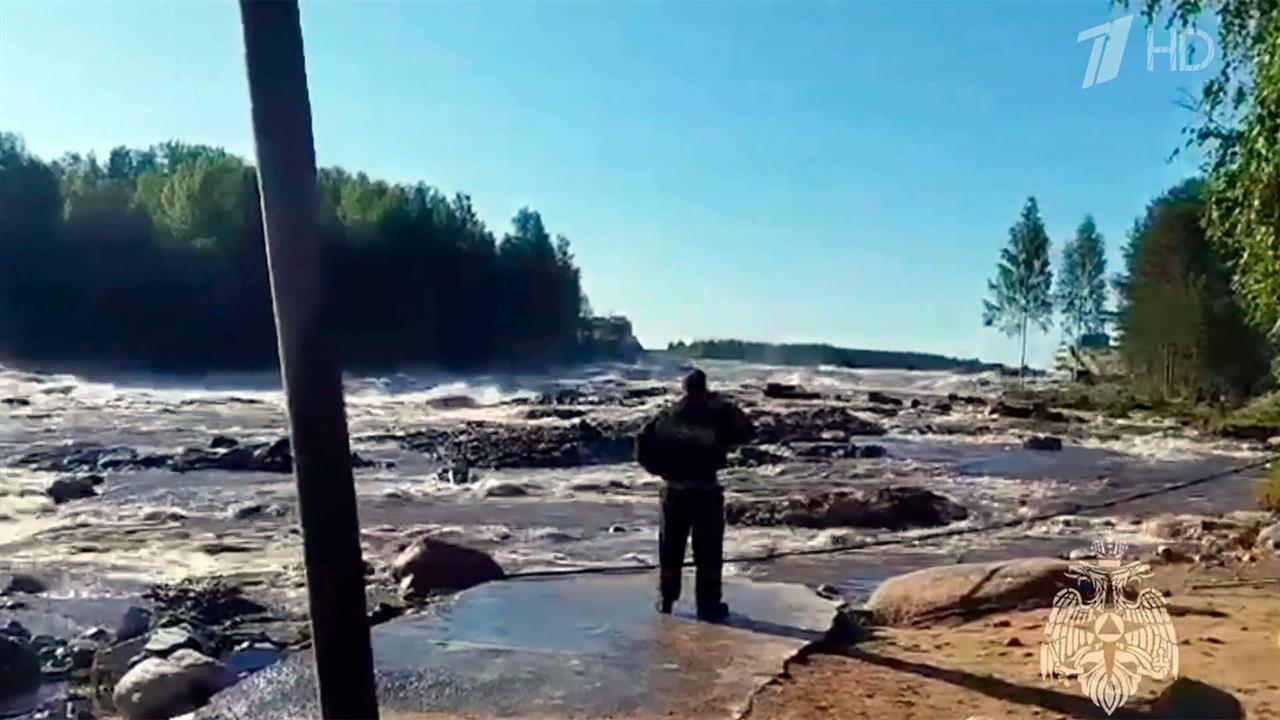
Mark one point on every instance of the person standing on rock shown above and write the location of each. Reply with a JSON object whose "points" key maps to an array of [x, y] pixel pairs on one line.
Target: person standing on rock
{"points": [[686, 444]]}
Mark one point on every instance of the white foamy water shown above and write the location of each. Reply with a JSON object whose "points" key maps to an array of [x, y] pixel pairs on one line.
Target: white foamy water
{"points": [[158, 525]]}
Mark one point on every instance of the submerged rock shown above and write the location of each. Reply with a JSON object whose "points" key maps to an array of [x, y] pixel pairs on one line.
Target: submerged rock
{"points": [[879, 398], [502, 445], [207, 601], [453, 402], [23, 583], [754, 456], [786, 391], [135, 623], [222, 441], [505, 489], [458, 474], [870, 452], [16, 630], [1035, 411], [1043, 442], [554, 412], [429, 566], [72, 488], [19, 668], [967, 590], [894, 508], [811, 424], [247, 511], [165, 687]]}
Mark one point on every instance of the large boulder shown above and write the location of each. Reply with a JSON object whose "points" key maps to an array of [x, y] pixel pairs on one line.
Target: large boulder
{"points": [[967, 590], [164, 687], [430, 566], [892, 508], [134, 623], [19, 668]]}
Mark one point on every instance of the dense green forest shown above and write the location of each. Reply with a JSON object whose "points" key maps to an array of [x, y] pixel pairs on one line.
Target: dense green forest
{"points": [[1197, 305], [810, 354], [1185, 333], [155, 257]]}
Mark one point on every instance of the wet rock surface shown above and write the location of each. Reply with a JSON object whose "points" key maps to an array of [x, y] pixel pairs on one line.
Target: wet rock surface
{"points": [[821, 423], [574, 647], [223, 453], [532, 481], [894, 508], [430, 566], [1045, 443], [74, 488], [162, 687], [786, 391], [19, 667], [498, 445], [967, 590]]}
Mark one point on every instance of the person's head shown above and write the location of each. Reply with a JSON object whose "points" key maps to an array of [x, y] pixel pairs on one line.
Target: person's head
{"points": [[695, 384]]}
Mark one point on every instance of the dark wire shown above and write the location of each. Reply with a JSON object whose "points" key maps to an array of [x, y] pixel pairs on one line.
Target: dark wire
{"points": [[1073, 509]]}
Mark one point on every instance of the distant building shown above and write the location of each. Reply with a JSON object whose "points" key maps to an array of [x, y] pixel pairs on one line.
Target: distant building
{"points": [[1093, 357], [609, 337]]}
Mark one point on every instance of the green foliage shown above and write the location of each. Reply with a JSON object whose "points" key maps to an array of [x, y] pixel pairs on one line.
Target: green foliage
{"points": [[156, 258], [1238, 133], [799, 354], [1258, 420], [1184, 335], [1020, 292], [1269, 493], [1081, 294]]}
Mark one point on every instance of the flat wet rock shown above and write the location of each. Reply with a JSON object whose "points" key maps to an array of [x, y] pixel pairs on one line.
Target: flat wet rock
{"points": [[566, 647]]}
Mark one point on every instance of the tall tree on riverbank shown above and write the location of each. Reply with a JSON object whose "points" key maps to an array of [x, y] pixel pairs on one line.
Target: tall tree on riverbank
{"points": [[1081, 294], [1185, 337], [1238, 134], [1021, 290]]}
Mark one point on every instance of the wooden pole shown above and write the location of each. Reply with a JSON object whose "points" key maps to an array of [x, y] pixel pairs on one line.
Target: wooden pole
{"points": [[312, 377]]}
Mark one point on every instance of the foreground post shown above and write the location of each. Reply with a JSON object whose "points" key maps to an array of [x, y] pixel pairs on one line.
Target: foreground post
{"points": [[312, 378]]}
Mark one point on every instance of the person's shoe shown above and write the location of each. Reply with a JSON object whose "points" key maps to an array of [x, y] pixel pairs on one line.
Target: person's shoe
{"points": [[664, 606], [716, 613]]}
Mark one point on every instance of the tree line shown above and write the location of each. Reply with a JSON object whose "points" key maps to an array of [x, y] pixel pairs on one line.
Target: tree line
{"points": [[155, 257], [821, 354], [1182, 331], [1197, 307]]}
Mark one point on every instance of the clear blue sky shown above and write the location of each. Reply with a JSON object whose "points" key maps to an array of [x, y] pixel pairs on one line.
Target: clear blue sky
{"points": [[792, 171]]}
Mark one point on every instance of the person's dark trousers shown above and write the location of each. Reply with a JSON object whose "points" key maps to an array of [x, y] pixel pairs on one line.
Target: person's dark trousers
{"points": [[700, 511]]}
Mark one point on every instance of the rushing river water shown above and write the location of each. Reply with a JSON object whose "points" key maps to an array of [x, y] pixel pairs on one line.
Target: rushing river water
{"points": [[157, 525]]}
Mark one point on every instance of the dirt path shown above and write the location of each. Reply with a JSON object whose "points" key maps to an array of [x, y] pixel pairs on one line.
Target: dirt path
{"points": [[1229, 642]]}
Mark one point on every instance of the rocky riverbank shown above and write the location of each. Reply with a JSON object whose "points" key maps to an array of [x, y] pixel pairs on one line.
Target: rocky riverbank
{"points": [[933, 647], [530, 474]]}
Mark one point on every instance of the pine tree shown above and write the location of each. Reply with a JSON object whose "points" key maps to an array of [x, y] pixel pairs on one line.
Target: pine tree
{"points": [[1081, 294], [1021, 290]]}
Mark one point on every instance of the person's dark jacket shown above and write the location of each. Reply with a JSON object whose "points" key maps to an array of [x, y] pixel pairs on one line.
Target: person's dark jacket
{"points": [[688, 442]]}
